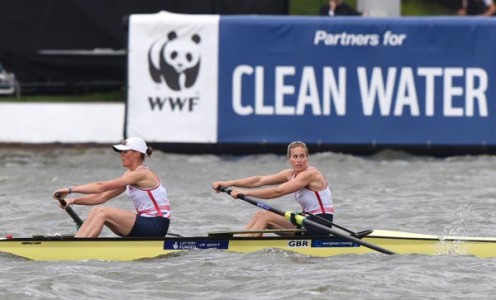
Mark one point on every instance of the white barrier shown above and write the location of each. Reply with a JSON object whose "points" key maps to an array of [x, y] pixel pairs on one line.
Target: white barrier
{"points": [[41, 123]]}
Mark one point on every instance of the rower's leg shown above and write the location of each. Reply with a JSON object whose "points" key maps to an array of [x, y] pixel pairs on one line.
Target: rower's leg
{"points": [[119, 221], [262, 220], [93, 225]]}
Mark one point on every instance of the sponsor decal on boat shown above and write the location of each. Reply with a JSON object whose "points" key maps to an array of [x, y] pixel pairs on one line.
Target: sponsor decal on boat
{"points": [[333, 243], [31, 243], [299, 243], [195, 244]]}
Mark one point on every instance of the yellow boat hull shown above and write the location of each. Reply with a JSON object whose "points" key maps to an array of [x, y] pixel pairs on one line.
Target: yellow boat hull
{"points": [[128, 249]]}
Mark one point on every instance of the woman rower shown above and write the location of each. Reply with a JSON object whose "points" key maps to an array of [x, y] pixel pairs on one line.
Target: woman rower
{"points": [[308, 184], [143, 187]]}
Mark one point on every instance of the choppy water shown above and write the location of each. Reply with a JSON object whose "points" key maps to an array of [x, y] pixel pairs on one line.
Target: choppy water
{"points": [[389, 190]]}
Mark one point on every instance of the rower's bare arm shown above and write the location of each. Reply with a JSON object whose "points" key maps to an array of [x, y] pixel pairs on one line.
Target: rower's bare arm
{"points": [[99, 187], [95, 199], [274, 192], [261, 180], [305, 179]]}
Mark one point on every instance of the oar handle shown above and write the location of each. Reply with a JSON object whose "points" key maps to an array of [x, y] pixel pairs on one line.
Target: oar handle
{"points": [[62, 201], [69, 210]]}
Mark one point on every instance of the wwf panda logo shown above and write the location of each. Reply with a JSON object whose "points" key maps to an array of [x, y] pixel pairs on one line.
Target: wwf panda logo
{"points": [[175, 61]]}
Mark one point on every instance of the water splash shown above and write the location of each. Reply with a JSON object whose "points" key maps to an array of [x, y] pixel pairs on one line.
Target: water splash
{"points": [[459, 226]]}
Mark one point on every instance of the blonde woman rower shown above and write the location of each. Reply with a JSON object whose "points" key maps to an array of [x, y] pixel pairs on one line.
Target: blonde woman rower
{"points": [[305, 182]]}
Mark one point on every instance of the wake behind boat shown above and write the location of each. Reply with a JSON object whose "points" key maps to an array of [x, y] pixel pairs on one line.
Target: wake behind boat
{"points": [[58, 248]]}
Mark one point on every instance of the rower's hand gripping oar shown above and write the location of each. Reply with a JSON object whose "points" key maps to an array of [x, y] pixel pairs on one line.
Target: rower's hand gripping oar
{"points": [[301, 220], [69, 210]]}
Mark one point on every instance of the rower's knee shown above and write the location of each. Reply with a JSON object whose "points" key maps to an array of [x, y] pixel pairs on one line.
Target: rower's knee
{"points": [[98, 211], [263, 215]]}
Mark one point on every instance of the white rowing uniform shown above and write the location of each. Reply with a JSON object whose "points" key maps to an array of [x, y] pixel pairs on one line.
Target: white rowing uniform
{"points": [[315, 202], [150, 202]]}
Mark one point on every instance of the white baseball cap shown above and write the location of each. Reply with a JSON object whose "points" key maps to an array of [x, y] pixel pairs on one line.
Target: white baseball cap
{"points": [[132, 143]]}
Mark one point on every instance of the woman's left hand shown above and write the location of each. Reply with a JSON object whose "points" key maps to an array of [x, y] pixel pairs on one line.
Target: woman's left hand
{"points": [[61, 193]]}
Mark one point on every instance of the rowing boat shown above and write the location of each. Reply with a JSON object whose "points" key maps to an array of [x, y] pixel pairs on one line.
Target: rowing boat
{"points": [[345, 241], [59, 248]]}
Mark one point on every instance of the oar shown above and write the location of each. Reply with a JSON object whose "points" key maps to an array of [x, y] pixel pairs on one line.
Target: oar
{"points": [[69, 210], [332, 223], [353, 233], [301, 220]]}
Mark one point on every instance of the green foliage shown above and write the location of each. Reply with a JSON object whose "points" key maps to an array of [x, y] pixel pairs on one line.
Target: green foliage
{"points": [[305, 7], [424, 8]]}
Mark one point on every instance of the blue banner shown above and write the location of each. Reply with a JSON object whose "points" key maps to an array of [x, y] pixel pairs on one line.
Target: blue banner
{"points": [[353, 80]]}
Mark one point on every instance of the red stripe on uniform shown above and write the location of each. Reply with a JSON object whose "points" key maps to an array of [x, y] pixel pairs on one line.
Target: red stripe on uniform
{"points": [[159, 211], [320, 202]]}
